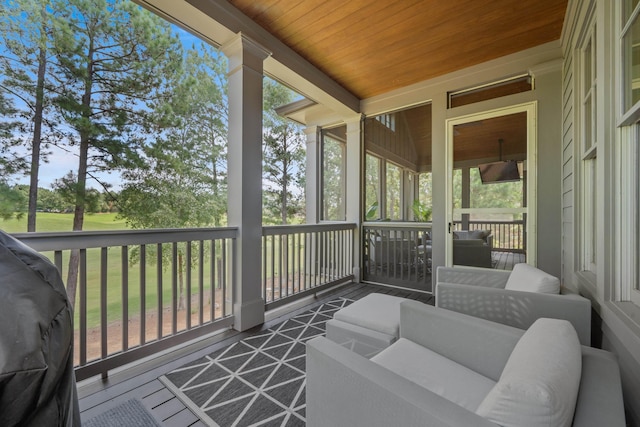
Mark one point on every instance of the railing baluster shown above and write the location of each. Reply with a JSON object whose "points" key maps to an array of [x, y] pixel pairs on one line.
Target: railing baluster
{"points": [[159, 289], [264, 269], [273, 268], [57, 257], [125, 298], [143, 294], [213, 270], [83, 306], [223, 302], [103, 302], [201, 283], [188, 290], [174, 288]]}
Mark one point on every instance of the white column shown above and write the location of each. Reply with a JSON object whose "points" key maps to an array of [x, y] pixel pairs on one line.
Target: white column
{"points": [[353, 186], [245, 175], [312, 174]]}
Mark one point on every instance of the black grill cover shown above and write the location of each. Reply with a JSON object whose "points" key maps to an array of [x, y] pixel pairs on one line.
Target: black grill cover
{"points": [[37, 381]]}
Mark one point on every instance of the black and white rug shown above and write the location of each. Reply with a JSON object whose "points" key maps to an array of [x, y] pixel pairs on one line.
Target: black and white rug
{"points": [[259, 381]]}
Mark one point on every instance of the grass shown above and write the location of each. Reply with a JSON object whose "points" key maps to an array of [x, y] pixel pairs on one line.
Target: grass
{"points": [[47, 221]]}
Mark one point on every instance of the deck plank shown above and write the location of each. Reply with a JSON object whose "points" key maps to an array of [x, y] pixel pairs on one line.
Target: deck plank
{"points": [[168, 409], [183, 418]]}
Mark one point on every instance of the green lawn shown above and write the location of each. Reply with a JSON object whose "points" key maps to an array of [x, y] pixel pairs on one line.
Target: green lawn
{"points": [[47, 221]]}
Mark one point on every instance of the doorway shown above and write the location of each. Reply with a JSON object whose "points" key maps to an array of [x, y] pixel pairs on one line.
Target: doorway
{"points": [[491, 188]]}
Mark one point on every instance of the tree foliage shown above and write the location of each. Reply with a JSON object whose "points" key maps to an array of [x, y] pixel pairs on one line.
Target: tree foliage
{"points": [[283, 158], [184, 184]]}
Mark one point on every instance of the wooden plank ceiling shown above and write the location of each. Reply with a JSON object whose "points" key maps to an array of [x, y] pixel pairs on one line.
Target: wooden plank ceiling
{"points": [[373, 47]]}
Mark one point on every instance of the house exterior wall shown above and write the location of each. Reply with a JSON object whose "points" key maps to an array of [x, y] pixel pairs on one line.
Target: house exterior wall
{"points": [[610, 285]]}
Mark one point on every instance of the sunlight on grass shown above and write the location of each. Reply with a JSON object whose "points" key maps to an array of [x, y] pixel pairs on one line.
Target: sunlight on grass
{"points": [[48, 221]]}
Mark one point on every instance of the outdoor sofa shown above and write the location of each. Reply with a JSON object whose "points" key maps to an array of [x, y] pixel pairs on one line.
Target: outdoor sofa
{"points": [[451, 369]]}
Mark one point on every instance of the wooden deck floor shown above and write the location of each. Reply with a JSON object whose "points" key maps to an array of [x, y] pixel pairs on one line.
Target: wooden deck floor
{"points": [[506, 260], [141, 381]]}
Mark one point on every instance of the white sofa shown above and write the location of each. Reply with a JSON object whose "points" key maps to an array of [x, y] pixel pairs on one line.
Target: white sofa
{"points": [[512, 298], [404, 386]]}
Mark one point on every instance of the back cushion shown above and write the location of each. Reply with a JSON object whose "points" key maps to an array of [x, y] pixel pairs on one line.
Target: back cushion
{"points": [[540, 381], [530, 279], [479, 234]]}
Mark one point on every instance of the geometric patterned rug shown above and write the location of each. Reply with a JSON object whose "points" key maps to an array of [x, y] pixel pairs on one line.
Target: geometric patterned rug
{"points": [[258, 381]]}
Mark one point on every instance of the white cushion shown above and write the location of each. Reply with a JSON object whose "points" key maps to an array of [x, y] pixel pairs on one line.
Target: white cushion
{"points": [[379, 312], [540, 381], [436, 373], [530, 279]]}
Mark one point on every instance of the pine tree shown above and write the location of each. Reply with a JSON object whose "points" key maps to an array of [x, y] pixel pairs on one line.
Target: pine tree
{"points": [[112, 59]]}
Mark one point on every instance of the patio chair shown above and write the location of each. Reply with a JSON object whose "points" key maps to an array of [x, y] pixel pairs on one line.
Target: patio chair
{"points": [[515, 298], [450, 369]]}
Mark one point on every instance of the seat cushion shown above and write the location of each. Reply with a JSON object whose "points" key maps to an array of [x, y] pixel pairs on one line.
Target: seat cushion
{"points": [[540, 381], [375, 311], [436, 373], [530, 279]]}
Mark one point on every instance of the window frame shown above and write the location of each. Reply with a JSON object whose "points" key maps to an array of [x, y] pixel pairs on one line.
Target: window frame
{"points": [[631, 114], [627, 152], [587, 149]]}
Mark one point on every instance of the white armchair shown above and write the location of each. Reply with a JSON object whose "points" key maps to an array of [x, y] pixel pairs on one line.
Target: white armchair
{"points": [[480, 292], [450, 369]]}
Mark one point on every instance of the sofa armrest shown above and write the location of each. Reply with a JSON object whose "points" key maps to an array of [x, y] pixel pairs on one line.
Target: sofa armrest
{"points": [[345, 389], [600, 401], [487, 277], [480, 345], [516, 308]]}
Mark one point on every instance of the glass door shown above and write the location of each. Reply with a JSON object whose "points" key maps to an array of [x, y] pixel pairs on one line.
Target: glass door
{"points": [[490, 186]]}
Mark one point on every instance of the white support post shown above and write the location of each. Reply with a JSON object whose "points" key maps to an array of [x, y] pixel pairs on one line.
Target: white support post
{"points": [[353, 186], [312, 174], [245, 175]]}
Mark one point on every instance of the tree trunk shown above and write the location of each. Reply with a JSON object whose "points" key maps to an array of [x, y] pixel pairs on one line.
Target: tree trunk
{"points": [[78, 219], [37, 135], [81, 186]]}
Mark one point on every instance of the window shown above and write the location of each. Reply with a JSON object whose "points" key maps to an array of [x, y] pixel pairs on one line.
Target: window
{"points": [[424, 189], [588, 247], [508, 86], [394, 191], [372, 208], [333, 174], [389, 120]]}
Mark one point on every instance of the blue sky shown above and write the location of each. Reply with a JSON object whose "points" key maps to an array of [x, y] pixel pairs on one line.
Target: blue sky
{"points": [[61, 161]]}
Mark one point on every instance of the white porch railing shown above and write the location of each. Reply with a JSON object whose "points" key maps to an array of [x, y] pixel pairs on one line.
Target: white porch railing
{"points": [[299, 260], [142, 291], [139, 292]]}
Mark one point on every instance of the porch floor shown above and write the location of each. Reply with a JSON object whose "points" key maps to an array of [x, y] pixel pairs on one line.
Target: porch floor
{"points": [[141, 380], [506, 260]]}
